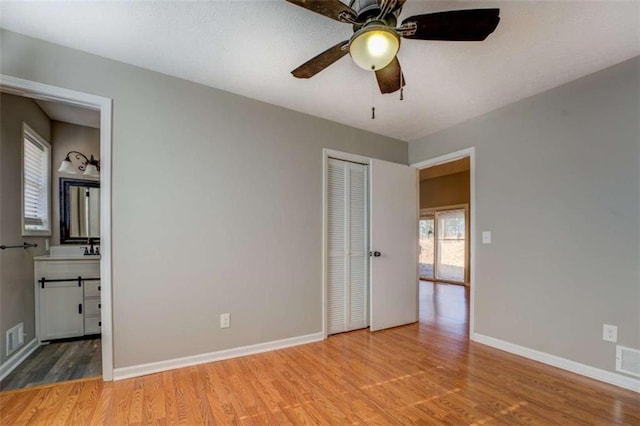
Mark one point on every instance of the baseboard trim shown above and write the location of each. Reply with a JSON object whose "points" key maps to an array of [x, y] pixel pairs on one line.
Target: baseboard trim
{"points": [[171, 364], [562, 363], [16, 359]]}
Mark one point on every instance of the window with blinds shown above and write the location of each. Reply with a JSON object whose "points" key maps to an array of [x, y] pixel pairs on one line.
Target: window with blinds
{"points": [[36, 178]]}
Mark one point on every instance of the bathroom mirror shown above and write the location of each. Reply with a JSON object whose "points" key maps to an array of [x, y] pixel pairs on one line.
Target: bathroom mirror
{"points": [[79, 211]]}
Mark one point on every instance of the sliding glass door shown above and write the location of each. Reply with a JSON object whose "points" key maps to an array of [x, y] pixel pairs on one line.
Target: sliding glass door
{"points": [[450, 245], [427, 246], [443, 245]]}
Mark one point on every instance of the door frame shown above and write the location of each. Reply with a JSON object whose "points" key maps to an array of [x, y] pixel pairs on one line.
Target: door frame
{"points": [[446, 158], [345, 156], [37, 90], [433, 211]]}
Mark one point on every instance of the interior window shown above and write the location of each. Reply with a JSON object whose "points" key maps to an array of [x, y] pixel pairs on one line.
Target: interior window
{"points": [[36, 179]]}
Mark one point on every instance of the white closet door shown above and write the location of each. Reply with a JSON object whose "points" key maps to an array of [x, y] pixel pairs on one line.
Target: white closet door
{"points": [[347, 245], [336, 241], [358, 247]]}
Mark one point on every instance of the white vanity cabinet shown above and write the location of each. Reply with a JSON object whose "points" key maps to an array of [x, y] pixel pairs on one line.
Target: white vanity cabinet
{"points": [[67, 296]]}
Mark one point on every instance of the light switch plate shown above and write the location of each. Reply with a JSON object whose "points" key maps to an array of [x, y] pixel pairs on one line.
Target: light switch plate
{"points": [[486, 237]]}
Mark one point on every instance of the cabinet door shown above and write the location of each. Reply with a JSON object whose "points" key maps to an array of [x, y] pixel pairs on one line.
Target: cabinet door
{"points": [[61, 310]]}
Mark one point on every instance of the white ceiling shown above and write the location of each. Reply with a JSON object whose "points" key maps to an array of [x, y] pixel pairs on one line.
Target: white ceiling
{"points": [[70, 114], [250, 47]]}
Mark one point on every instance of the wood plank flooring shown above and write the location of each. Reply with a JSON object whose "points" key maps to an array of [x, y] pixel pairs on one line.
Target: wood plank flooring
{"points": [[57, 362], [424, 373]]}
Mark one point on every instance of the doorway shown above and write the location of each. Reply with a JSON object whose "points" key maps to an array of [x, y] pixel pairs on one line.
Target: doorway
{"points": [[35, 91], [453, 163]]}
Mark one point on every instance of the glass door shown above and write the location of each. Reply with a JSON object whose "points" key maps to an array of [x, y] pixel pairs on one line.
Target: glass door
{"points": [[450, 245], [427, 246]]}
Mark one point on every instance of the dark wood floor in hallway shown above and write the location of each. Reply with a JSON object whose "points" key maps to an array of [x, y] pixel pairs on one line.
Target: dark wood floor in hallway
{"points": [[57, 362], [423, 373]]}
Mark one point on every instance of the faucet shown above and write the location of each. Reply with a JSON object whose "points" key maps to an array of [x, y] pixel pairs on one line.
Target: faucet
{"points": [[92, 251]]}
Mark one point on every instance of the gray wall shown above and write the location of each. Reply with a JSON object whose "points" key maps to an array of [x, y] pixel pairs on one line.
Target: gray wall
{"points": [[67, 137], [16, 265], [557, 183], [216, 205]]}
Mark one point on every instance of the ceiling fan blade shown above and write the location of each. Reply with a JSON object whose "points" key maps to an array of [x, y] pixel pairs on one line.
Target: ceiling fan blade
{"points": [[333, 9], [390, 77], [314, 65], [455, 25]]}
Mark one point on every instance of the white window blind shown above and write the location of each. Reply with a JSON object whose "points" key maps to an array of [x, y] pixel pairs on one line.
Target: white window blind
{"points": [[35, 183]]}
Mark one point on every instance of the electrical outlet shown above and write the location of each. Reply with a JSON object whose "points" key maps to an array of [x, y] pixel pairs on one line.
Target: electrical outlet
{"points": [[225, 320], [610, 333]]}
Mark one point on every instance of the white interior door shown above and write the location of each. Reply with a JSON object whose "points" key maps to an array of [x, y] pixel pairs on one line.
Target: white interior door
{"points": [[394, 244]]}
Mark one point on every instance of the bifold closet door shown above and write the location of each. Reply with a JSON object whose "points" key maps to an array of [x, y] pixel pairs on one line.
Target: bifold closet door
{"points": [[347, 245]]}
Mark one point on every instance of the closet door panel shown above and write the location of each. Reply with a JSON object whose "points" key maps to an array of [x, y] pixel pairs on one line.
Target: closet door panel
{"points": [[358, 247], [336, 242]]}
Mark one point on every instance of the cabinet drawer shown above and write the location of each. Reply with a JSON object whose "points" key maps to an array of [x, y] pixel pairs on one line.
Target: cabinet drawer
{"points": [[91, 288], [69, 269], [92, 325], [91, 307]]}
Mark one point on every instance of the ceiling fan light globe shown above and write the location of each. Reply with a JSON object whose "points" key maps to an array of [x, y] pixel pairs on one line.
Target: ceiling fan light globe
{"points": [[374, 48]]}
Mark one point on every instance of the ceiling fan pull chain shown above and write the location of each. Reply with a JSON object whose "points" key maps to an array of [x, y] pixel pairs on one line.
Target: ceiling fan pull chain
{"points": [[373, 93], [401, 81]]}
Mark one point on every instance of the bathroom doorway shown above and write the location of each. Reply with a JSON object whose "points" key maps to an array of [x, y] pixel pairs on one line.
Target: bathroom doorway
{"points": [[35, 353]]}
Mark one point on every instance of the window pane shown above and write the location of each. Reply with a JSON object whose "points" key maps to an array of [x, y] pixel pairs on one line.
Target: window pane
{"points": [[35, 182], [426, 247], [451, 245]]}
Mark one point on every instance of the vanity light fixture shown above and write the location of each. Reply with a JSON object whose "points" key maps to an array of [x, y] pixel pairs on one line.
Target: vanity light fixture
{"points": [[90, 166]]}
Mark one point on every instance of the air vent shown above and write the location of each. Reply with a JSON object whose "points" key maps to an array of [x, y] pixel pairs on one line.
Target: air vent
{"points": [[15, 338], [628, 360]]}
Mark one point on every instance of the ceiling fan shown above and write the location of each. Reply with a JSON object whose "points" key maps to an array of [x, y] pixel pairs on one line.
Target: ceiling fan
{"points": [[376, 39]]}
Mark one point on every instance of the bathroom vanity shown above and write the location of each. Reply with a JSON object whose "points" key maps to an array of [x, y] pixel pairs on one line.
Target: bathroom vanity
{"points": [[67, 289]]}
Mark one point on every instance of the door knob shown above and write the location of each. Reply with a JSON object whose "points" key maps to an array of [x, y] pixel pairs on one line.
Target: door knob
{"points": [[374, 253]]}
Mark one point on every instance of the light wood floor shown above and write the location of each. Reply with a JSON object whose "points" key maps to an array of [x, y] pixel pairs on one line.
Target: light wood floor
{"points": [[57, 362], [426, 373]]}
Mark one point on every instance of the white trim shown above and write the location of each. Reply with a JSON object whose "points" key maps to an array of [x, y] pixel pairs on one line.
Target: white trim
{"points": [[471, 153], [346, 156], [171, 364], [562, 363], [18, 358], [37, 90], [325, 166]]}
